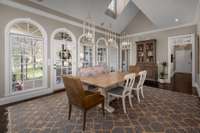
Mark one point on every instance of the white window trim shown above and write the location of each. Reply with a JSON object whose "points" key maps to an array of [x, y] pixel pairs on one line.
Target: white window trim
{"points": [[79, 49], [107, 52], [7, 55], [74, 49]]}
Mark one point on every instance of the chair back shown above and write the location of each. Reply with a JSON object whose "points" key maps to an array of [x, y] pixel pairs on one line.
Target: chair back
{"points": [[144, 75], [142, 79], [74, 90], [134, 69], [129, 82]]}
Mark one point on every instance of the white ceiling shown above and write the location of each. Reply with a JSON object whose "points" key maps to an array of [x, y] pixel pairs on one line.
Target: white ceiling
{"points": [[164, 12], [97, 8]]}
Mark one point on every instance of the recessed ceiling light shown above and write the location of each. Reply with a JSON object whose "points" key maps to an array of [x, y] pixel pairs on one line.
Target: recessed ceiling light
{"points": [[176, 20]]}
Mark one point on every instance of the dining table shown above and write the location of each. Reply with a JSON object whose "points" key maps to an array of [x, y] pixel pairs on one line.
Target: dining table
{"points": [[105, 82]]}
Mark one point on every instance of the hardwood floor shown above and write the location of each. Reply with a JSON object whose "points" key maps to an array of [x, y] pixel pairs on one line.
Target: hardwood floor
{"points": [[182, 82]]}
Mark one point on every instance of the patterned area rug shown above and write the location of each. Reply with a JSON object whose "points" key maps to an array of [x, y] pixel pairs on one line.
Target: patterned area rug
{"points": [[160, 111], [3, 119]]}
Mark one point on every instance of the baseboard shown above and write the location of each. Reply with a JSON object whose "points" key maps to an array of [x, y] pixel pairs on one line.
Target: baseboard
{"points": [[198, 88], [24, 96]]}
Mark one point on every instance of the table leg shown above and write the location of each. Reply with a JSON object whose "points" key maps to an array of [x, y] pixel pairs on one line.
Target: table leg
{"points": [[107, 106]]}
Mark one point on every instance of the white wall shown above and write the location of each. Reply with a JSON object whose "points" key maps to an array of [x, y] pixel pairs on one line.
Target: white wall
{"points": [[8, 14], [162, 41]]}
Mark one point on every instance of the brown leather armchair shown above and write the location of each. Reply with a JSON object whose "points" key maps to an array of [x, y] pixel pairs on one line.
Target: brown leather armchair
{"points": [[84, 100], [134, 69]]}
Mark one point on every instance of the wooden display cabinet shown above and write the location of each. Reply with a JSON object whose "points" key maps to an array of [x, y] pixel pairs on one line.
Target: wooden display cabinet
{"points": [[146, 58]]}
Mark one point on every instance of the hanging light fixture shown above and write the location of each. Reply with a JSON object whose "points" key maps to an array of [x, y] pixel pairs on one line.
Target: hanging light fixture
{"points": [[89, 27], [125, 42], [110, 37]]}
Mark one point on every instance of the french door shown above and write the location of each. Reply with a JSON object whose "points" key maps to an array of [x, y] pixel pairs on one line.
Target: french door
{"points": [[64, 62]]}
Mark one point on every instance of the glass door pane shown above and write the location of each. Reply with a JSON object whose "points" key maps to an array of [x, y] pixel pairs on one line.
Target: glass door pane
{"points": [[26, 62], [87, 53], [125, 59], [62, 61]]}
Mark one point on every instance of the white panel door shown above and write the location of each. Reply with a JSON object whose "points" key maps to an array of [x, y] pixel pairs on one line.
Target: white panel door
{"points": [[183, 61]]}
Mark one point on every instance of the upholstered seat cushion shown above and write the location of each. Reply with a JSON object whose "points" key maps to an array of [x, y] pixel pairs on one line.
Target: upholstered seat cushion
{"points": [[92, 99], [117, 91]]}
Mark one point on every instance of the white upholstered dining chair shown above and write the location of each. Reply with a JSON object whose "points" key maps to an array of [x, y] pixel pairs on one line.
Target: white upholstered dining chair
{"points": [[123, 92], [140, 84]]}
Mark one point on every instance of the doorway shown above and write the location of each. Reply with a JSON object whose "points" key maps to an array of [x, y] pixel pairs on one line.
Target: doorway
{"points": [[181, 63], [63, 50], [182, 79]]}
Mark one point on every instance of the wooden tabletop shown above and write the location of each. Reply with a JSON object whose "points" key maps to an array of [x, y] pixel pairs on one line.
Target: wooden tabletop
{"points": [[104, 80]]}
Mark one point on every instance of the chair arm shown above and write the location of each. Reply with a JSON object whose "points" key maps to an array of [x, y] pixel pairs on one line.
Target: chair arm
{"points": [[90, 92]]}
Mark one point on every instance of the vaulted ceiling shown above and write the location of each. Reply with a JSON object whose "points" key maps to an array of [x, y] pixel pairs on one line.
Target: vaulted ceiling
{"points": [[162, 13], [167, 13], [97, 8]]}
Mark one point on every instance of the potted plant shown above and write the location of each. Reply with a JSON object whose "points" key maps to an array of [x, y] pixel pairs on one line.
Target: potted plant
{"points": [[163, 74]]}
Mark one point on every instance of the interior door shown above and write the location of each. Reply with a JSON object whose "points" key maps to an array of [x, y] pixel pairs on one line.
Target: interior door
{"points": [[183, 69], [183, 60]]}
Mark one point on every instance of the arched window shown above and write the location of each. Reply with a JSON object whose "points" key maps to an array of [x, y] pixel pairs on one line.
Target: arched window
{"points": [[63, 54], [26, 65], [102, 51], [86, 52]]}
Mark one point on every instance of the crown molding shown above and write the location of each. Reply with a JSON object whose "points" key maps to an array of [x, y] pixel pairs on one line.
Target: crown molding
{"points": [[160, 30], [48, 15]]}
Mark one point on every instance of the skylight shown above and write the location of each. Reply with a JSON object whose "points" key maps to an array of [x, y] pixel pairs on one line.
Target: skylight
{"points": [[112, 6], [112, 9], [116, 7]]}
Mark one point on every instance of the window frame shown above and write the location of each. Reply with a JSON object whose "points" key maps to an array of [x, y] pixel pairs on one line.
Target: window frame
{"points": [[7, 55]]}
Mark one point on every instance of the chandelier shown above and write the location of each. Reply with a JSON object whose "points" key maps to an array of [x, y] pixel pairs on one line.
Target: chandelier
{"points": [[125, 42], [89, 28], [111, 36]]}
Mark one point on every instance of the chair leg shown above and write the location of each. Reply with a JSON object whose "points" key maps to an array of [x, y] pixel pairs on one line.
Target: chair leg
{"points": [[84, 119], [138, 95], [124, 104], [70, 109], [130, 101], [103, 110], [142, 93]]}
